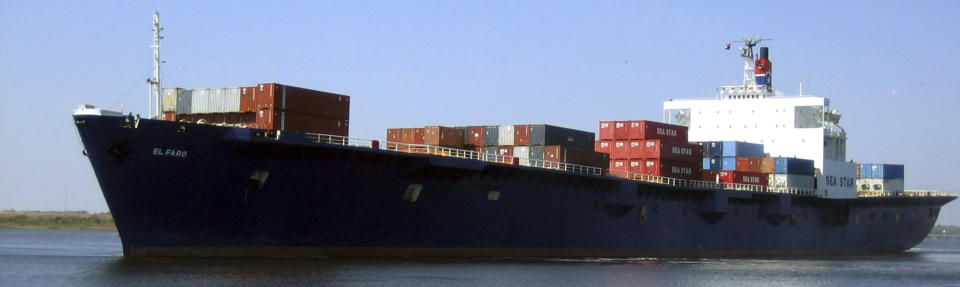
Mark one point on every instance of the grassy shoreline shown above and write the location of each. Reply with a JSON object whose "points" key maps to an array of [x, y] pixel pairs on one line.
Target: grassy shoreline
{"points": [[56, 220]]}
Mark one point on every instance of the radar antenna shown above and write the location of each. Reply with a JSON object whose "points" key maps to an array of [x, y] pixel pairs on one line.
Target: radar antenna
{"points": [[746, 52]]}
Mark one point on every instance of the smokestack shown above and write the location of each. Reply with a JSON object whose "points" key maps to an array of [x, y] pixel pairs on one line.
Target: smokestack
{"points": [[763, 53]]}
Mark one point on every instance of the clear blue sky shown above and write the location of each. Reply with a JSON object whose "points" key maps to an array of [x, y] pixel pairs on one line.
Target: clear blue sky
{"points": [[889, 66]]}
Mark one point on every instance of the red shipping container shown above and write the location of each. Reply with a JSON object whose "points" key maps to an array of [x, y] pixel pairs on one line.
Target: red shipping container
{"points": [[619, 168], [412, 136], [635, 149], [475, 138], [606, 130], [620, 130], [620, 149], [443, 136], [394, 136], [732, 176], [655, 130], [748, 164], [247, 105], [505, 150], [278, 120], [673, 169], [300, 100], [170, 116], [660, 149], [521, 134], [635, 165], [604, 146]]}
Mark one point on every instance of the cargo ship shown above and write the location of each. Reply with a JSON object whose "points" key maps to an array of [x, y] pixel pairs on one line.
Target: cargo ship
{"points": [[270, 171]]}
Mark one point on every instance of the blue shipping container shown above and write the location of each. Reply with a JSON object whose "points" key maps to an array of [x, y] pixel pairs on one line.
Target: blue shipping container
{"points": [[491, 136], [706, 163], [729, 163], [789, 165], [741, 149], [716, 148], [881, 170]]}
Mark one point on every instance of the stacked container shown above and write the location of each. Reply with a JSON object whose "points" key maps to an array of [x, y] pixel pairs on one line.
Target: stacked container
{"points": [[646, 147], [792, 173], [878, 177], [267, 106], [531, 145]]}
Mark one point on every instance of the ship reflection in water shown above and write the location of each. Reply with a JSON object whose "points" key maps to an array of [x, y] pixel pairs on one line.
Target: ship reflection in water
{"points": [[92, 258]]}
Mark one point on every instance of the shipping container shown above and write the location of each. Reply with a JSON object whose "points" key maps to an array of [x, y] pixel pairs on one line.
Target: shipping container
{"points": [[184, 98], [650, 130], [712, 163], [881, 170], [506, 135], [289, 121], [523, 154], [789, 165], [620, 149], [732, 176], [740, 149], [574, 155], [669, 150], [728, 163], [168, 101], [491, 135], [619, 167], [635, 149], [791, 181], [673, 169], [412, 136], [620, 130], [748, 164], [505, 150], [604, 146], [170, 116], [476, 135], [443, 136], [246, 100], [880, 185], [768, 165], [554, 135], [536, 154], [465, 141], [211, 101], [606, 130], [636, 165], [521, 134], [704, 148], [300, 100], [716, 149], [711, 176], [394, 136]]}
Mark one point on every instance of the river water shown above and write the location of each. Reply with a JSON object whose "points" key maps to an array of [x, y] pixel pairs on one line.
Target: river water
{"points": [[93, 258]]}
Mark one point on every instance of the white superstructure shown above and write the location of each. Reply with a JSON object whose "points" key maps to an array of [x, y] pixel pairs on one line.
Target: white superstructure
{"points": [[788, 126]]}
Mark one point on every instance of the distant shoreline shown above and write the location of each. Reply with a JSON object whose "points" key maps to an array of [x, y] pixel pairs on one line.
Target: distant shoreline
{"points": [[56, 220]]}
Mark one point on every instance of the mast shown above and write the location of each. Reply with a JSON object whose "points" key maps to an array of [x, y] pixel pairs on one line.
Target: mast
{"points": [[154, 83]]}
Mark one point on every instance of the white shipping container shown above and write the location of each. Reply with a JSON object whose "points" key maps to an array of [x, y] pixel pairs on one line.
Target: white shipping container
{"points": [[212, 101], [168, 101], [523, 154], [506, 135], [880, 185], [791, 180]]}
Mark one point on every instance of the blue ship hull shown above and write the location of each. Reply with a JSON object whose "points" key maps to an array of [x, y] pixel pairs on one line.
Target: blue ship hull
{"points": [[178, 189]]}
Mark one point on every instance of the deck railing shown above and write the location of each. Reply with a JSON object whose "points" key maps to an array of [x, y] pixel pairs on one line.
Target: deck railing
{"points": [[575, 168]]}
